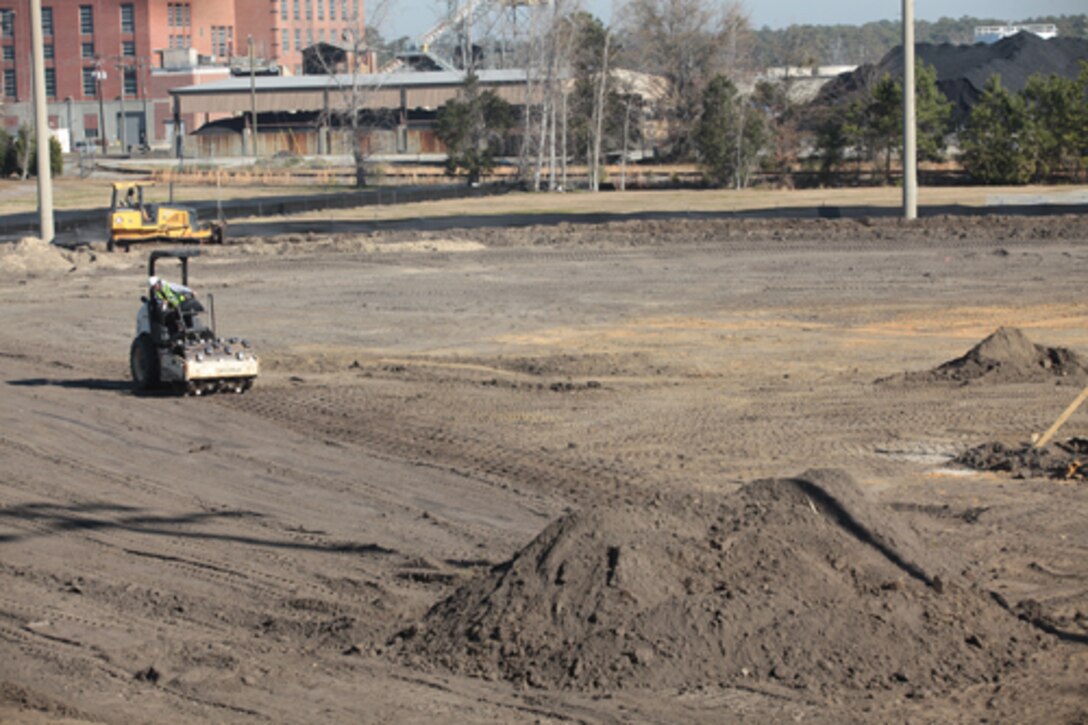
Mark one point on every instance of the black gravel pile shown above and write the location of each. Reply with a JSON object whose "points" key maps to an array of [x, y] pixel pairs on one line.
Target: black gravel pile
{"points": [[963, 70]]}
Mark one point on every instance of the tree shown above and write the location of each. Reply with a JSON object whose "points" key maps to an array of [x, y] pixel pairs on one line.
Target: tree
{"points": [[355, 88], [596, 109], [831, 144], [932, 113], [474, 128], [24, 151], [996, 139], [1055, 108], [874, 125], [772, 98], [687, 42], [730, 134], [7, 154]]}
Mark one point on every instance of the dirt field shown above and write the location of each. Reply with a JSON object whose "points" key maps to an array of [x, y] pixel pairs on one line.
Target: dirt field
{"points": [[633, 472]]}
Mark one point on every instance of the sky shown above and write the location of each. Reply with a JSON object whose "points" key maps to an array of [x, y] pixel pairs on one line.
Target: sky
{"points": [[413, 17]]}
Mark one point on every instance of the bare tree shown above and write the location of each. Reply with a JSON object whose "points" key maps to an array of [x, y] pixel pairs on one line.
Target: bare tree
{"points": [[547, 66], [355, 85], [687, 42]]}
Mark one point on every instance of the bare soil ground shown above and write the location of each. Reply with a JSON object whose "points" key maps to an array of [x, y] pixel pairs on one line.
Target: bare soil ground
{"points": [[629, 472]]}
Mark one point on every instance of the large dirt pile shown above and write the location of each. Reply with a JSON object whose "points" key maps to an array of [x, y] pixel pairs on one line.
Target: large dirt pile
{"points": [[32, 257], [803, 582], [963, 70], [1062, 460], [1005, 356]]}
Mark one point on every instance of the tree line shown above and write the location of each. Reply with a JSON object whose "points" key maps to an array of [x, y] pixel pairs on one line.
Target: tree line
{"points": [[584, 106]]}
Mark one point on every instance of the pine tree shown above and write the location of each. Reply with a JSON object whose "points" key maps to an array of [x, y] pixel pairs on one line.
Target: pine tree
{"points": [[996, 140], [474, 128], [932, 112], [730, 134], [1056, 122]]}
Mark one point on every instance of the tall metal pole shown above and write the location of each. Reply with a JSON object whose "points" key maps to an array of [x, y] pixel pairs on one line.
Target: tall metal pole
{"points": [[41, 124], [910, 145], [99, 76], [124, 117], [144, 67], [252, 99]]}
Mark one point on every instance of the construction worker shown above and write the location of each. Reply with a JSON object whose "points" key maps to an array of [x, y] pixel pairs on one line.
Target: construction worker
{"points": [[168, 299]]}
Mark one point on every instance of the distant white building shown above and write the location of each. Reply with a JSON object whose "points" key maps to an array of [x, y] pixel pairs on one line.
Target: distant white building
{"points": [[994, 33]]}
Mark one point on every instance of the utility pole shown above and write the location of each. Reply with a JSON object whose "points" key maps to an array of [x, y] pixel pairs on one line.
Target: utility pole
{"points": [[41, 124], [910, 146], [124, 118], [252, 99], [99, 76], [144, 70]]}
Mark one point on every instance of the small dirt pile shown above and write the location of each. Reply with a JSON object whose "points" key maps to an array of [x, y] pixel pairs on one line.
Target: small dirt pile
{"points": [[1006, 356], [1063, 460], [802, 582]]}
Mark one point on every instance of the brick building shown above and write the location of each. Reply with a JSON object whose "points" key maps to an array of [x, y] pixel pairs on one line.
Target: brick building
{"points": [[108, 60]]}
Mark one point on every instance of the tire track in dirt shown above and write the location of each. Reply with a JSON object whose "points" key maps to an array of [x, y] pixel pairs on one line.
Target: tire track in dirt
{"points": [[350, 414]]}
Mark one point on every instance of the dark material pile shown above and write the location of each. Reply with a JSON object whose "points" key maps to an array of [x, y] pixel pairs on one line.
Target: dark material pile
{"points": [[801, 582], [1006, 356], [963, 70], [1065, 460]]}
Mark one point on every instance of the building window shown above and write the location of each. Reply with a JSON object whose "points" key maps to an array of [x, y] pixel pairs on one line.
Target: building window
{"points": [[309, 9], [51, 82], [47, 22], [344, 9], [10, 89], [9, 52], [297, 11], [86, 19], [332, 9], [128, 48], [90, 85], [177, 15], [88, 50], [320, 9], [222, 40], [283, 9], [298, 39], [128, 18], [47, 51], [130, 82], [7, 23], [286, 40]]}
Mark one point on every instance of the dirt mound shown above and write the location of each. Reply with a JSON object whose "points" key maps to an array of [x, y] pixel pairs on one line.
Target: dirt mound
{"points": [[1063, 460], [1006, 356], [801, 582], [31, 257]]}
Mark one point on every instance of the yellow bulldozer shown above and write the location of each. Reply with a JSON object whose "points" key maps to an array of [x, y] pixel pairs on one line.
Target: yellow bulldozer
{"points": [[133, 220]]}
